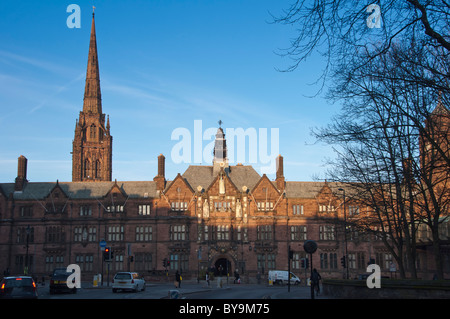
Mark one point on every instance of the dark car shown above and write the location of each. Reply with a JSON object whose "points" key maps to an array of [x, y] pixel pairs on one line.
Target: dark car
{"points": [[58, 281], [18, 287]]}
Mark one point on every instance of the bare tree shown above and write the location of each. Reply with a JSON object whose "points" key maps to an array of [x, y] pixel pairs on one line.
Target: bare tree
{"points": [[388, 80], [393, 150], [338, 29]]}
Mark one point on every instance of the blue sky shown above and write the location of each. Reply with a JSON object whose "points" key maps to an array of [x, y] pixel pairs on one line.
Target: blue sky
{"points": [[163, 65]]}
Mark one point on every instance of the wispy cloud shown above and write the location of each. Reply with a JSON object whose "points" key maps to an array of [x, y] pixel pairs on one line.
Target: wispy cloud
{"points": [[18, 60], [56, 92]]}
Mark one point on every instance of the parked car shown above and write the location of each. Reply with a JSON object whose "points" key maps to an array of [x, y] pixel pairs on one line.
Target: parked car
{"points": [[58, 281], [18, 287], [128, 281], [282, 277]]}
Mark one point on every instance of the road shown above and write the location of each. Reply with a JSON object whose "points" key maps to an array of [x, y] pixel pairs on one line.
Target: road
{"points": [[189, 290]]}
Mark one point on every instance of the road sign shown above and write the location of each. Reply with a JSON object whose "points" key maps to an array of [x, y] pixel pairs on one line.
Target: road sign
{"points": [[102, 244]]}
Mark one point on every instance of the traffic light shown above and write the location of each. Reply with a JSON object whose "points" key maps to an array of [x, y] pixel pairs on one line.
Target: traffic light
{"points": [[343, 261], [304, 262], [165, 262], [291, 254], [107, 254]]}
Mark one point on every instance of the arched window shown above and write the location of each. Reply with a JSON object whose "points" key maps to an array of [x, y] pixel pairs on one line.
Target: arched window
{"points": [[97, 169], [86, 168], [93, 132]]}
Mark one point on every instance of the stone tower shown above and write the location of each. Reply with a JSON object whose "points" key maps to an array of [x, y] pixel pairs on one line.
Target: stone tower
{"points": [[92, 144], [220, 151]]}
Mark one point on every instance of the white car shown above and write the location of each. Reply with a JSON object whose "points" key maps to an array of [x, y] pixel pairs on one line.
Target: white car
{"points": [[128, 281]]}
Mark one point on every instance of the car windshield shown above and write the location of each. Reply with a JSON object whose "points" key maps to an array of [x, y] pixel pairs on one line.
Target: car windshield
{"points": [[61, 272], [123, 276], [18, 282]]}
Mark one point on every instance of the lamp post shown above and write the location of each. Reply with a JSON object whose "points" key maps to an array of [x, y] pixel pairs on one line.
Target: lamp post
{"points": [[345, 235], [26, 256], [310, 247]]}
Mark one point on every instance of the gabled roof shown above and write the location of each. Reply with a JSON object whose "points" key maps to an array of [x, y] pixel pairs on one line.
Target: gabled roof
{"points": [[179, 177], [240, 175], [54, 189], [264, 177], [216, 180]]}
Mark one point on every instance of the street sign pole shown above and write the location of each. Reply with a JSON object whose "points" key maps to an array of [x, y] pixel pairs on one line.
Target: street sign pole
{"points": [[102, 249], [289, 268], [310, 246]]}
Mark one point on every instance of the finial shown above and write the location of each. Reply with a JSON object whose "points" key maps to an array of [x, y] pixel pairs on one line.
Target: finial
{"points": [[220, 123], [93, 10]]}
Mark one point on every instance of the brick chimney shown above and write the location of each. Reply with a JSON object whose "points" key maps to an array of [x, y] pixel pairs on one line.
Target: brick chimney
{"points": [[160, 179], [280, 174], [21, 178]]}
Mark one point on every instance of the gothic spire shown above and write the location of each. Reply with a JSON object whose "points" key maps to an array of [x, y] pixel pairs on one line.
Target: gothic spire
{"points": [[92, 94]]}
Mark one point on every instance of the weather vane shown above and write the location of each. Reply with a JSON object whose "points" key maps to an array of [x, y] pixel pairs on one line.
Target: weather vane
{"points": [[93, 9]]}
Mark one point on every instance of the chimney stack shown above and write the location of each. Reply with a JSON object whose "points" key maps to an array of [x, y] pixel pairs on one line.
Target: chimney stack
{"points": [[161, 165], [280, 174], [160, 179], [21, 178]]}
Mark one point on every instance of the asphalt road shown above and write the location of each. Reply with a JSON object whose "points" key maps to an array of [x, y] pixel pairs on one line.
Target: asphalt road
{"points": [[188, 290]]}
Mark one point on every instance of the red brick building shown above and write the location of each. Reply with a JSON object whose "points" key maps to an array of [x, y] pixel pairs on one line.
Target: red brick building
{"points": [[207, 218]]}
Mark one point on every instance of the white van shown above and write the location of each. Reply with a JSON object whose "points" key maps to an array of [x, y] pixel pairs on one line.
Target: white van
{"points": [[281, 277]]}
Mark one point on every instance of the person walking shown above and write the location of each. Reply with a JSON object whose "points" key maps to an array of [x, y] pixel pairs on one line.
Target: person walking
{"points": [[178, 279], [315, 280], [207, 279]]}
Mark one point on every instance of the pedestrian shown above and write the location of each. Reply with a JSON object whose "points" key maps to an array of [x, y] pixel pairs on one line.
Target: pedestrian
{"points": [[207, 279], [315, 279], [237, 277], [177, 280]]}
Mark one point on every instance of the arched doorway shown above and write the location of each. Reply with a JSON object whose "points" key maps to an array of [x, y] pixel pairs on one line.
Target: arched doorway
{"points": [[222, 267]]}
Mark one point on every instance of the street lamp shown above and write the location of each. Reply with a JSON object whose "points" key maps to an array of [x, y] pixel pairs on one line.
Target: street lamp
{"points": [[345, 234], [26, 256]]}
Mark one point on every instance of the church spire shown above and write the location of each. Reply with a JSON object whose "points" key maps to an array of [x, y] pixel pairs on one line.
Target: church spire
{"points": [[92, 94], [92, 144]]}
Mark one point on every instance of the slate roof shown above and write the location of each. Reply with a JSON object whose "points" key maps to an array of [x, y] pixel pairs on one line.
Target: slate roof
{"points": [[195, 175], [80, 190], [308, 189], [240, 175]]}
